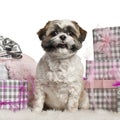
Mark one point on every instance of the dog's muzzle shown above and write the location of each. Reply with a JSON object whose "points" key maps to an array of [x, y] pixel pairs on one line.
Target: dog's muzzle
{"points": [[52, 46]]}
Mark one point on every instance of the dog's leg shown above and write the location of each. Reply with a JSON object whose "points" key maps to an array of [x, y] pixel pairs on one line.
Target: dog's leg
{"points": [[84, 100], [73, 99], [39, 101]]}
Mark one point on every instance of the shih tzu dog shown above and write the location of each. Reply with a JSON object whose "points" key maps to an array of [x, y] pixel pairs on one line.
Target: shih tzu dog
{"points": [[59, 73]]}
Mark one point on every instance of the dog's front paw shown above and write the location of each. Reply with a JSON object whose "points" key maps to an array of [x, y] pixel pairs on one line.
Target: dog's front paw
{"points": [[84, 101], [37, 109], [72, 109], [72, 106]]}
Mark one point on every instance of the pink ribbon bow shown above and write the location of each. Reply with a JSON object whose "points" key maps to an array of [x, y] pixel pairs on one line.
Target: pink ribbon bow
{"points": [[115, 73], [106, 39]]}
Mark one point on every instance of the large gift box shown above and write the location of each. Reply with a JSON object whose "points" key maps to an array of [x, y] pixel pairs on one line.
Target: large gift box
{"points": [[118, 99], [102, 95], [101, 86], [106, 42], [13, 94], [103, 70]]}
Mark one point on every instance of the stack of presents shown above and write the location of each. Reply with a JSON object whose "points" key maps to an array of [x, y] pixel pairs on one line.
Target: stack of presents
{"points": [[103, 73], [13, 79]]}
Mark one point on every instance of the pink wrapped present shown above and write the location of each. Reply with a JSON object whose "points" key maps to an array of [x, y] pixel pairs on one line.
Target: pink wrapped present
{"points": [[102, 78], [102, 94], [22, 69], [103, 70], [13, 94], [106, 42]]}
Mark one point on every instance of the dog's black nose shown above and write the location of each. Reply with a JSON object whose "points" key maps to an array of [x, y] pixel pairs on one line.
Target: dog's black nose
{"points": [[62, 37]]}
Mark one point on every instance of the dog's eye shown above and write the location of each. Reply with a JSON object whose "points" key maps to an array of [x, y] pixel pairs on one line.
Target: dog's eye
{"points": [[70, 33], [54, 33]]}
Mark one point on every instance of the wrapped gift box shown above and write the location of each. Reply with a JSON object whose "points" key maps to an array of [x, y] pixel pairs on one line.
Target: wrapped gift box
{"points": [[104, 99], [106, 42], [102, 95], [13, 94], [103, 70], [118, 99], [117, 84]]}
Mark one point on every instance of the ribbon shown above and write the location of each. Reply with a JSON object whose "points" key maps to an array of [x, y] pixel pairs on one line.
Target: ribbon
{"points": [[12, 104], [106, 39], [9, 47], [9, 103], [32, 87], [22, 90], [100, 84], [92, 84], [91, 81]]}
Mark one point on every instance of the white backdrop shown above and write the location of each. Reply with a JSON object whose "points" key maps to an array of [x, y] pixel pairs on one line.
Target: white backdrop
{"points": [[21, 19]]}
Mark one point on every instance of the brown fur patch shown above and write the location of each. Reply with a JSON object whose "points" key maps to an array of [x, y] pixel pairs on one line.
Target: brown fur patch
{"points": [[83, 33], [42, 32]]}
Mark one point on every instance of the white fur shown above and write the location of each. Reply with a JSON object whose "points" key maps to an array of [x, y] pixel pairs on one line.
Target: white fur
{"points": [[59, 74], [59, 83], [64, 23], [61, 24]]}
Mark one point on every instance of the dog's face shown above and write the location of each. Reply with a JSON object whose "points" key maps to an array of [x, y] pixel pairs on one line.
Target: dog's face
{"points": [[62, 37]]}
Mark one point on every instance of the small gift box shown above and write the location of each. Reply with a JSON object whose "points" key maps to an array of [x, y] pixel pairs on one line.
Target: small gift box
{"points": [[103, 70], [106, 42], [102, 95], [13, 94]]}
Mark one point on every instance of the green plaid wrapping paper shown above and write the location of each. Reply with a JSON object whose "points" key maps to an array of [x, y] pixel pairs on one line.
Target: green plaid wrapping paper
{"points": [[13, 94]]}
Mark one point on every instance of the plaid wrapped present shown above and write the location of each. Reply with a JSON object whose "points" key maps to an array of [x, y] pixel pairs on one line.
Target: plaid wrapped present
{"points": [[13, 94], [103, 70], [103, 96], [118, 99], [104, 99], [106, 42], [117, 84]]}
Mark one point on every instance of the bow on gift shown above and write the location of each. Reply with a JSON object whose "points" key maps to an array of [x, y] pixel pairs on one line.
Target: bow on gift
{"points": [[9, 47], [106, 39], [116, 74]]}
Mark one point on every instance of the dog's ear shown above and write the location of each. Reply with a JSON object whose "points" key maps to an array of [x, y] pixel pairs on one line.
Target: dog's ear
{"points": [[42, 32], [82, 32]]}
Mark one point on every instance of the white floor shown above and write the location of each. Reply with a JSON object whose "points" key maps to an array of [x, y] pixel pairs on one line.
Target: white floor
{"points": [[58, 115]]}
